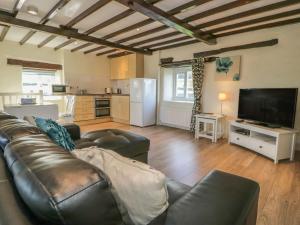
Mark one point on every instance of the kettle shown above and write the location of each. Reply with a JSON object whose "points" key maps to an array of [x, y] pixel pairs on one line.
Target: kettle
{"points": [[108, 90]]}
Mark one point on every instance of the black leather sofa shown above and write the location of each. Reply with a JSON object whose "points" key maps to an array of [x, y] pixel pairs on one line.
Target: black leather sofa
{"points": [[41, 183]]}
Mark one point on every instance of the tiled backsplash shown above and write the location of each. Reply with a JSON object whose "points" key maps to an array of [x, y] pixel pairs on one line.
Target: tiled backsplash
{"points": [[124, 85]]}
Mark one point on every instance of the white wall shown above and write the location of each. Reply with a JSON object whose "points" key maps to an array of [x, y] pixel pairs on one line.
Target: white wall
{"points": [[87, 71], [10, 76], [276, 66]]}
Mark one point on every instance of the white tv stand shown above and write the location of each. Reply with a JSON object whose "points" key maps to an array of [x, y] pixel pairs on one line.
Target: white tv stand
{"points": [[274, 143]]}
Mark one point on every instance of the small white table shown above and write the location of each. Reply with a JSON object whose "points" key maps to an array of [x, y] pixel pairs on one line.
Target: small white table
{"points": [[209, 126]]}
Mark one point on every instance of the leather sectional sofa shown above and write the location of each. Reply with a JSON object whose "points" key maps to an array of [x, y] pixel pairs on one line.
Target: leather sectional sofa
{"points": [[41, 183]]}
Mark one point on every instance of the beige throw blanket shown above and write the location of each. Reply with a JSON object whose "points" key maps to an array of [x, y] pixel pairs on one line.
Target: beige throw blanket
{"points": [[141, 189]]}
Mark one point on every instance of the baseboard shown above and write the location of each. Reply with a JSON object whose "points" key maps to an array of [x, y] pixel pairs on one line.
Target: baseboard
{"points": [[120, 120], [95, 121]]}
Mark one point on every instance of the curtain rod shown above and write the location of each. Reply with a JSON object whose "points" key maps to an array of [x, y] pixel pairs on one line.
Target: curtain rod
{"points": [[187, 62], [219, 51]]}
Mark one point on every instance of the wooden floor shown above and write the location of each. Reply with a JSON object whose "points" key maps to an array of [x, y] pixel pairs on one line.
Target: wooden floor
{"points": [[179, 156]]}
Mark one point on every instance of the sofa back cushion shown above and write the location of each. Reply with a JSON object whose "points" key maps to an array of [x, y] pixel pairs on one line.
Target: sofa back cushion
{"points": [[5, 116], [57, 187], [11, 129]]}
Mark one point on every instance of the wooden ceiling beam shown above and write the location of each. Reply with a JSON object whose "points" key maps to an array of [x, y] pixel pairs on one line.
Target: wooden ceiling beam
{"points": [[222, 8], [119, 54], [187, 6], [155, 38], [166, 42], [17, 6], [112, 20], [64, 44], [83, 15], [34, 64], [237, 47], [46, 41], [248, 29], [129, 28], [107, 52], [260, 27], [94, 49], [4, 32], [69, 33], [161, 28], [176, 45], [172, 12], [157, 14], [81, 47], [98, 5], [247, 13], [145, 33], [59, 5], [256, 21]]}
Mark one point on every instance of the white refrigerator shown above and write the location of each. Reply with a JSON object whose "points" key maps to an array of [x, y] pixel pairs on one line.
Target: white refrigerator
{"points": [[142, 102]]}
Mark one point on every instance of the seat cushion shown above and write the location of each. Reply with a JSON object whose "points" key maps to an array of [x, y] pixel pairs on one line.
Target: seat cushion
{"points": [[125, 143], [141, 190], [219, 199], [5, 116]]}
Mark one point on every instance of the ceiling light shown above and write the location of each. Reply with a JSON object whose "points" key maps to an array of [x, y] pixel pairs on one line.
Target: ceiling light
{"points": [[32, 10], [76, 43], [138, 29]]}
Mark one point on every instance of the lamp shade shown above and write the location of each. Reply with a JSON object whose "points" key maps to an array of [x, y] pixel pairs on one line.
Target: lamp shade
{"points": [[222, 96]]}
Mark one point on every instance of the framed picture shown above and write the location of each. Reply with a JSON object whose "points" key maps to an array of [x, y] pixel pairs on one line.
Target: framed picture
{"points": [[228, 68]]}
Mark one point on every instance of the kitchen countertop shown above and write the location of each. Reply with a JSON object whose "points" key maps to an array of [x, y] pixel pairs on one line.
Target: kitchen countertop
{"points": [[122, 94]]}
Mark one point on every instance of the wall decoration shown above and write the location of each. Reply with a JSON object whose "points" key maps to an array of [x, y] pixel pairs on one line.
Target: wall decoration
{"points": [[228, 68]]}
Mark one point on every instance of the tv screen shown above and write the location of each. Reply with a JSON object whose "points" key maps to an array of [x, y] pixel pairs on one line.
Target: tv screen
{"points": [[276, 106]]}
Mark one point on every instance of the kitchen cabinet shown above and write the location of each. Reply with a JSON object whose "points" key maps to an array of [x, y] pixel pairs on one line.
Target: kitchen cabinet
{"points": [[120, 108], [84, 108], [126, 67]]}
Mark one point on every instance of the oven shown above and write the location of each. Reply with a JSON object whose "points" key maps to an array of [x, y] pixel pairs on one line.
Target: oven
{"points": [[102, 107], [100, 103]]}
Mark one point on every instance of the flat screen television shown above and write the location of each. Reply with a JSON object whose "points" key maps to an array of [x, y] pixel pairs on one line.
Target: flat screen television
{"points": [[274, 107]]}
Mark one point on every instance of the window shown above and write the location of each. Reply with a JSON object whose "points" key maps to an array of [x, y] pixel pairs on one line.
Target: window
{"points": [[34, 81], [183, 84]]}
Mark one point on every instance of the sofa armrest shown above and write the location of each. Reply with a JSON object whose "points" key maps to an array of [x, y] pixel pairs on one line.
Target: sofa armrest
{"points": [[73, 129], [219, 199]]}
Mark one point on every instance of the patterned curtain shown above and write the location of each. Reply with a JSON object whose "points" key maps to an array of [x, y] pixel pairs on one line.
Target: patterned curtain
{"points": [[198, 77]]}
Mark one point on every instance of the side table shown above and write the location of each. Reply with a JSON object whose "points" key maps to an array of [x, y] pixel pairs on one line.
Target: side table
{"points": [[209, 126]]}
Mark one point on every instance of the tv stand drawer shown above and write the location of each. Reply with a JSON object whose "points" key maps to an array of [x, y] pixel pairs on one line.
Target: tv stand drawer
{"points": [[265, 148], [241, 140]]}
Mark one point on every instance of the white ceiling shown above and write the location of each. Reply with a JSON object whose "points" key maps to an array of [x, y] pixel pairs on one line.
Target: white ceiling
{"points": [[75, 7]]}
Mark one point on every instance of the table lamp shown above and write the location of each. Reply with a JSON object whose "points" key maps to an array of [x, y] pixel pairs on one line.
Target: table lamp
{"points": [[222, 97]]}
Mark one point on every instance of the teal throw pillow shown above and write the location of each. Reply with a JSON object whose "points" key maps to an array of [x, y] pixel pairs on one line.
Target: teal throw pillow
{"points": [[56, 132]]}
